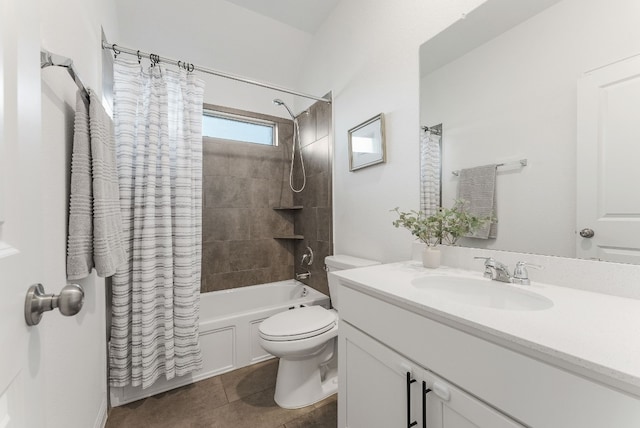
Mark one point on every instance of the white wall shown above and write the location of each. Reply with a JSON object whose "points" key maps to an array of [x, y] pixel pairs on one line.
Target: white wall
{"points": [[367, 53], [515, 97], [222, 36], [75, 347]]}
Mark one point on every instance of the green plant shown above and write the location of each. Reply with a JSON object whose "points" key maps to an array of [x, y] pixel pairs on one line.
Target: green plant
{"points": [[446, 226]]}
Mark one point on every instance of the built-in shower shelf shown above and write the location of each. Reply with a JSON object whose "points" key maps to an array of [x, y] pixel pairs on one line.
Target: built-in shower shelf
{"points": [[293, 207], [297, 237]]}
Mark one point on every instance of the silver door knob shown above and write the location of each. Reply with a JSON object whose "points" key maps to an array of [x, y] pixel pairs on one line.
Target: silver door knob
{"points": [[587, 233], [69, 302]]}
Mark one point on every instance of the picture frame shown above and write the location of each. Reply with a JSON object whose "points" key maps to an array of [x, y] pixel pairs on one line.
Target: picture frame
{"points": [[367, 144]]}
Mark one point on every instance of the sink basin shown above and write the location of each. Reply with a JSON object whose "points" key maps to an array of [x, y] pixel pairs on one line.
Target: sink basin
{"points": [[481, 292]]}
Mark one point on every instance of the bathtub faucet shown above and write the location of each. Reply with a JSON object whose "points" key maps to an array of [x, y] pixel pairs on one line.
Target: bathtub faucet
{"points": [[304, 275]]}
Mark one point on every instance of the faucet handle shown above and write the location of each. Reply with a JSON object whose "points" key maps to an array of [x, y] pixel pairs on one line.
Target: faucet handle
{"points": [[307, 257], [520, 273], [488, 262], [524, 265]]}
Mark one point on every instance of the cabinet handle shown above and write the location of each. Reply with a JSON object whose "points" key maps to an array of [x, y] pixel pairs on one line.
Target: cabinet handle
{"points": [[425, 391], [409, 382]]}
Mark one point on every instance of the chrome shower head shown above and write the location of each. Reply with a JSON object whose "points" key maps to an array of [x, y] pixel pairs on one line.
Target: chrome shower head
{"points": [[279, 102]]}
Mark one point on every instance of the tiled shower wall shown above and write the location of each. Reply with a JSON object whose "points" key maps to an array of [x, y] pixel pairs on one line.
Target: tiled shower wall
{"points": [[242, 183], [314, 221]]}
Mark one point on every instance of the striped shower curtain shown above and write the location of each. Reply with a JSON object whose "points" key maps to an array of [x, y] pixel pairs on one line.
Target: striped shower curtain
{"points": [[156, 295], [430, 164]]}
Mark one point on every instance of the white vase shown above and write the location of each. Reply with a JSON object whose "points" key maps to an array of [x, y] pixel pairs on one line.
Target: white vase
{"points": [[431, 257]]}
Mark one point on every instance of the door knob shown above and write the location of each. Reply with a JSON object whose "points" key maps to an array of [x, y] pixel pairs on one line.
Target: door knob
{"points": [[587, 233], [69, 302]]}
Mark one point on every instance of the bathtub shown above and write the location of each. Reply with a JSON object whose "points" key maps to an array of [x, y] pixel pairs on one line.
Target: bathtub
{"points": [[229, 322]]}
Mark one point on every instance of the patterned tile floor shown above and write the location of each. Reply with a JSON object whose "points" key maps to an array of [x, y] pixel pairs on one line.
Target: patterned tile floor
{"points": [[242, 398]]}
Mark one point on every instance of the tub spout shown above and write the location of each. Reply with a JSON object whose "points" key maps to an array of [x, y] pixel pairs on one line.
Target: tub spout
{"points": [[304, 275]]}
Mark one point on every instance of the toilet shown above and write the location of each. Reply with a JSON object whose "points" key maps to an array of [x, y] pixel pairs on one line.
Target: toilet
{"points": [[305, 341]]}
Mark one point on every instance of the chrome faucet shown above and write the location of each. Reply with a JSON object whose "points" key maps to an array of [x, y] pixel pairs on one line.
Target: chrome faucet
{"points": [[495, 270], [520, 273]]}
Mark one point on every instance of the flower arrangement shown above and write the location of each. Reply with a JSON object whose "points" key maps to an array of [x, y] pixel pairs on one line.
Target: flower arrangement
{"points": [[446, 226]]}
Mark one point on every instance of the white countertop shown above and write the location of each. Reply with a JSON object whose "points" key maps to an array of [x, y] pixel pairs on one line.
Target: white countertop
{"points": [[592, 334]]}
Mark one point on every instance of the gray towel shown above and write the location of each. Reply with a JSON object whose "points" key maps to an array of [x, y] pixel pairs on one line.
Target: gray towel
{"points": [[477, 187], [108, 247], [95, 222], [80, 239]]}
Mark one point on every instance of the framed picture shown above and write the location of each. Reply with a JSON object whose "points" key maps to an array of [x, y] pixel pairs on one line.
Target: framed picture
{"points": [[366, 144]]}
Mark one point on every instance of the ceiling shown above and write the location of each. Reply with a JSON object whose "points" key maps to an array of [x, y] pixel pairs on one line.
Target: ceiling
{"points": [[305, 15]]}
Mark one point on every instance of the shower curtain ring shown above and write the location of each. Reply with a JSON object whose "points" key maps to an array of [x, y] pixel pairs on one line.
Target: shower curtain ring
{"points": [[191, 68], [116, 52], [139, 57]]}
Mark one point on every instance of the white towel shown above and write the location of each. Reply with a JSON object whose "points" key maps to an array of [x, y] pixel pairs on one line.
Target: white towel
{"points": [[95, 222], [108, 248], [477, 187]]}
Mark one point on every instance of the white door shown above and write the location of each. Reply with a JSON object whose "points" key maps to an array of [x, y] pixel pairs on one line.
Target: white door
{"points": [[608, 174], [21, 377]]}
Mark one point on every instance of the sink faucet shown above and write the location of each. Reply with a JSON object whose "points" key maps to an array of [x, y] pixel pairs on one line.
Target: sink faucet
{"points": [[495, 270], [520, 273]]}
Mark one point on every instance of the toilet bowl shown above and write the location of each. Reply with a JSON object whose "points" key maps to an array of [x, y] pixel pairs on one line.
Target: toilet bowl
{"points": [[305, 340]]}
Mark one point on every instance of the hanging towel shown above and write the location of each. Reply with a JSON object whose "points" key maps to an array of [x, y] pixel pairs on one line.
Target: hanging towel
{"points": [[95, 222], [80, 239], [108, 247], [477, 187]]}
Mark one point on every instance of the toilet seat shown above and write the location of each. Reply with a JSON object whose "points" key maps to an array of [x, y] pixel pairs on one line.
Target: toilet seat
{"points": [[297, 324]]}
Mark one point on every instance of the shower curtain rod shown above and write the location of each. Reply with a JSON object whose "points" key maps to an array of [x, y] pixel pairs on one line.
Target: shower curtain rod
{"points": [[48, 59], [191, 67]]}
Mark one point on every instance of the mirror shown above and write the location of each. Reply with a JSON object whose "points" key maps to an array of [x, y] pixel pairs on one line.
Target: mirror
{"points": [[366, 143], [506, 83]]}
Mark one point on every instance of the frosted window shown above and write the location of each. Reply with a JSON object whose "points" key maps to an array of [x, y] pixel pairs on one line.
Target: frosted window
{"points": [[237, 128]]}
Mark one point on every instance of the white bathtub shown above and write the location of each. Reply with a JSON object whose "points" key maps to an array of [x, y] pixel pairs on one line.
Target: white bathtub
{"points": [[229, 322]]}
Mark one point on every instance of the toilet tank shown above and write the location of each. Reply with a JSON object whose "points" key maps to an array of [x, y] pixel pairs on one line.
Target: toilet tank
{"points": [[340, 262]]}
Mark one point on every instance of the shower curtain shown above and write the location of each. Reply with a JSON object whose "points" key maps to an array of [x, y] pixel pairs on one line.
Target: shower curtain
{"points": [[430, 164], [156, 295]]}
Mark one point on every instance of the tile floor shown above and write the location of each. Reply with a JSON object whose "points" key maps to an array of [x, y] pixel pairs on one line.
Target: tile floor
{"points": [[242, 398]]}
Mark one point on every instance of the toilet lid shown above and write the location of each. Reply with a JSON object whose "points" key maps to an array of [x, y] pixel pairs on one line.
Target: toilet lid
{"points": [[297, 323]]}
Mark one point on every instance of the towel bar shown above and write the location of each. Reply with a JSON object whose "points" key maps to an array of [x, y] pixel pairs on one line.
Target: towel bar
{"points": [[521, 162]]}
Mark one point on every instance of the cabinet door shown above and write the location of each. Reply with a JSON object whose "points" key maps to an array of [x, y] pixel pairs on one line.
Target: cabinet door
{"points": [[449, 407], [373, 384]]}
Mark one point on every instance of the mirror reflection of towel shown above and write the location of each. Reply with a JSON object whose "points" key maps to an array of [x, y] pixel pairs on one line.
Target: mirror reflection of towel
{"points": [[477, 187]]}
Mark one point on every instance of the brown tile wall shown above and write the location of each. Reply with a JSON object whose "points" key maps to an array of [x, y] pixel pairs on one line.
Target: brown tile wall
{"points": [[242, 183], [314, 221]]}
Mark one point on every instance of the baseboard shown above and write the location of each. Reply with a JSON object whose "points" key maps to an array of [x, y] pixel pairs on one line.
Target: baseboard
{"points": [[101, 418]]}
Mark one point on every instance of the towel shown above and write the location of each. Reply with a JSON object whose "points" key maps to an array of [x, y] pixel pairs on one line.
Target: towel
{"points": [[108, 246], [477, 187], [80, 239], [95, 222]]}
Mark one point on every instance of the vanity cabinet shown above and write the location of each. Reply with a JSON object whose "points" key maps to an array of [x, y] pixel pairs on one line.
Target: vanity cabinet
{"points": [[384, 389], [490, 384]]}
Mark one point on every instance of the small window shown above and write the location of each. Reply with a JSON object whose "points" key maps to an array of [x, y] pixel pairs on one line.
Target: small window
{"points": [[238, 128]]}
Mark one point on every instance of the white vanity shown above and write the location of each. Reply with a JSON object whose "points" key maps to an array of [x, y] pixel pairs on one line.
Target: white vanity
{"points": [[448, 348]]}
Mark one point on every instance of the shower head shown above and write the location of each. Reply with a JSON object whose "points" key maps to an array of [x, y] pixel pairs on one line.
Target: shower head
{"points": [[279, 102]]}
